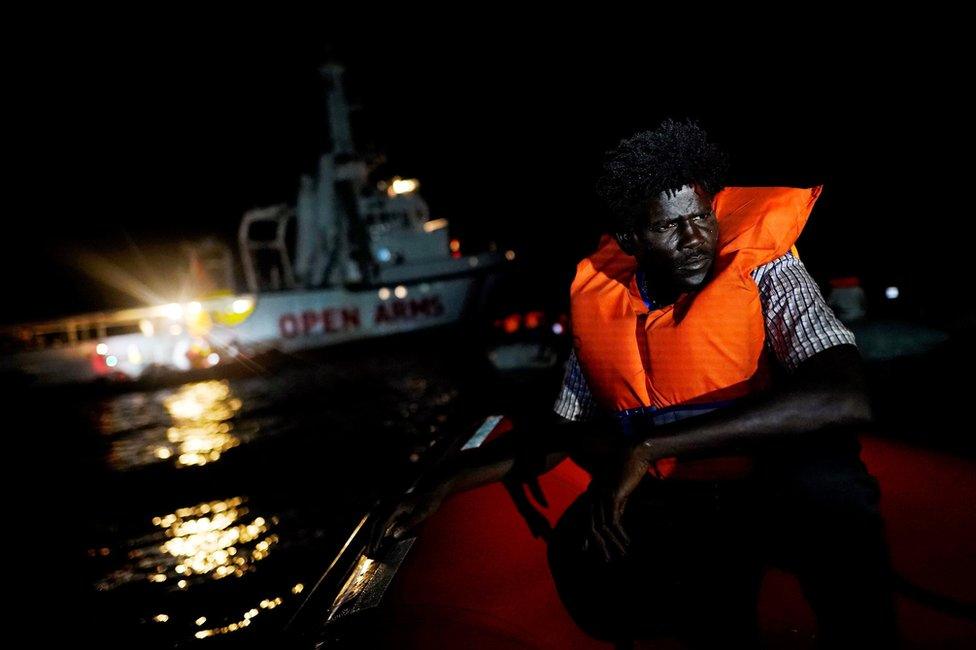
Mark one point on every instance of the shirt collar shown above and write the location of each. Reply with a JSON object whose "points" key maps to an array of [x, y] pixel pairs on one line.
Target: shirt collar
{"points": [[642, 288]]}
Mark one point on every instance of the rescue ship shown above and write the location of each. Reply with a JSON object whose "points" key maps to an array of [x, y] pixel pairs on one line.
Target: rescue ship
{"points": [[350, 260]]}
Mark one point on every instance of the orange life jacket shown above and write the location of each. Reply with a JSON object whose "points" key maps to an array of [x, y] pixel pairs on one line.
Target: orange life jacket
{"points": [[706, 349]]}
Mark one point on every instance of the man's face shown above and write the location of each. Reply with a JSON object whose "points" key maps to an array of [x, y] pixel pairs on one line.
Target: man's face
{"points": [[675, 243]]}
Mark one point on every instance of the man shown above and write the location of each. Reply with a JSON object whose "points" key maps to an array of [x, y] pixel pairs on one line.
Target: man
{"points": [[715, 398]]}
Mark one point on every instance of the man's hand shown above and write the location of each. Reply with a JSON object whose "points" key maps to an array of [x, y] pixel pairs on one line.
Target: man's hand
{"points": [[399, 518], [609, 491]]}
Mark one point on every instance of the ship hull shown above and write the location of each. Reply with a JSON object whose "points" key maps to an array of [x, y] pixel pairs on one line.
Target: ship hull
{"points": [[220, 333]]}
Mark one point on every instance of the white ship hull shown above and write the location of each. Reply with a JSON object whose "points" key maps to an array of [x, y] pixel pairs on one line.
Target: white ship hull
{"points": [[221, 331]]}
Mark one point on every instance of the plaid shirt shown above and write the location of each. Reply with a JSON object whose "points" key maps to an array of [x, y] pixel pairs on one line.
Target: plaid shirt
{"points": [[799, 324]]}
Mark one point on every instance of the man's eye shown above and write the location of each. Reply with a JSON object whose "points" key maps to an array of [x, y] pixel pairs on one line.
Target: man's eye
{"points": [[702, 217], [662, 227]]}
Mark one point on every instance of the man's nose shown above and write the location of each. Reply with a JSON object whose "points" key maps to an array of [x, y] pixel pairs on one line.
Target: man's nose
{"points": [[692, 234]]}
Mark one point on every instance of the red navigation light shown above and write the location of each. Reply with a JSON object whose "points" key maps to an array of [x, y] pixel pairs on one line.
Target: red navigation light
{"points": [[511, 323], [845, 283], [533, 319]]}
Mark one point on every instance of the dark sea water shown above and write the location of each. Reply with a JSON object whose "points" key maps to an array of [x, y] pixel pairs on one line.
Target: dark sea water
{"points": [[207, 510]]}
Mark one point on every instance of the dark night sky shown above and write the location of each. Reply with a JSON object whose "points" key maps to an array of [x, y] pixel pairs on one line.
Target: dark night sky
{"points": [[127, 144]]}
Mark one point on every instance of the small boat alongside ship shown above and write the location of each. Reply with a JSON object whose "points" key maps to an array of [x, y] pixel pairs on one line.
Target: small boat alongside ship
{"points": [[351, 260]]}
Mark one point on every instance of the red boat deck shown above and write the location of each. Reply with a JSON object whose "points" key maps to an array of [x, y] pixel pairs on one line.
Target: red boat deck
{"points": [[478, 579]]}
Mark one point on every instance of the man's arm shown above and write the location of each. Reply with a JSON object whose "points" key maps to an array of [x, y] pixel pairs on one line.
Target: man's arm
{"points": [[517, 454], [825, 393], [520, 454], [572, 429]]}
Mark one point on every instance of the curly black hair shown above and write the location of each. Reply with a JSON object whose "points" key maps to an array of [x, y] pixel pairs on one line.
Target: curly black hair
{"points": [[663, 160]]}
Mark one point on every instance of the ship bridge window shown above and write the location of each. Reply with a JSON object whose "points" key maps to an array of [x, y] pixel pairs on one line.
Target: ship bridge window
{"points": [[54, 339], [87, 332], [122, 328]]}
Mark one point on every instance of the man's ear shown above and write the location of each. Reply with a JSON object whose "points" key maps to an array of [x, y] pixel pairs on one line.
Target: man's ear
{"points": [[625, 239]]}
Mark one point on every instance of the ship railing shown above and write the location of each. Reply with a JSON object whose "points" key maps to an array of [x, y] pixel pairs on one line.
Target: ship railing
{"points": [[96, 327], [278, 217]]}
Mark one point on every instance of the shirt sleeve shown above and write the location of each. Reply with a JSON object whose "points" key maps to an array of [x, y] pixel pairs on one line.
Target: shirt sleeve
{"points": [[575, 401], [799, 324]]}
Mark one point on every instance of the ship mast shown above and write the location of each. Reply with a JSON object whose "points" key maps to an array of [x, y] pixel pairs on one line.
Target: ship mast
{"points": [[337, 109], [327, 210], [331, 243]]}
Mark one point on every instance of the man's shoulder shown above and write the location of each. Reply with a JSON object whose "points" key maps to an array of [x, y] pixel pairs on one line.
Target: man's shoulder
{"points": [[799, 323], [763, 272]]}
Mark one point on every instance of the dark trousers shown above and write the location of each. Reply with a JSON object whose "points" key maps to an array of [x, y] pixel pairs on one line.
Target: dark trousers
{"points": [[699, 549]]}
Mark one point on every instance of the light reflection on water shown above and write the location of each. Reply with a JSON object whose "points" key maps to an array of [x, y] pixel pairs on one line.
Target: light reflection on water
{"points": [[210, 540], [298, 449], [215, 538], [201, 430], [245, 619], [207, 541]]}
